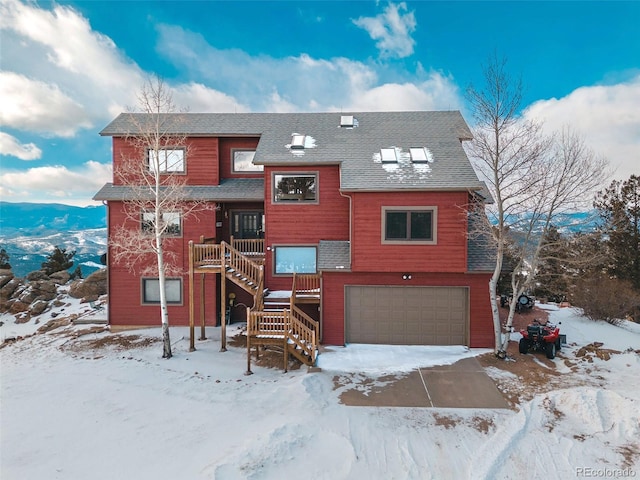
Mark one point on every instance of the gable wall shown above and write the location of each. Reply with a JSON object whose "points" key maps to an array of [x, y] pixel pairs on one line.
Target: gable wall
{"points": [[304, 223], [226, 165], [370, 254]]}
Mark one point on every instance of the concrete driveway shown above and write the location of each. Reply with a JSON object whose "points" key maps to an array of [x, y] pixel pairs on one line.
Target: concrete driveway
{"points": [[463, 384]]}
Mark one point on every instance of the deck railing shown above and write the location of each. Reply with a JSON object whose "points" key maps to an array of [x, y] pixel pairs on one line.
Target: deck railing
{"points": [[266, 324], [207, 255], [252, 247], [305, 286]]}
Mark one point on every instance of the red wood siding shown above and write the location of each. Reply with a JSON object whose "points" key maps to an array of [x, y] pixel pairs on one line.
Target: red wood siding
{"points": [[226, 161], [333, 316], [447, 255], [304, 223], [201, 160], [125, 287]]}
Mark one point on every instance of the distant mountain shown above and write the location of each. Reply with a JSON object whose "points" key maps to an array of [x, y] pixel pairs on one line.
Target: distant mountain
{"points": [[29, 232]]}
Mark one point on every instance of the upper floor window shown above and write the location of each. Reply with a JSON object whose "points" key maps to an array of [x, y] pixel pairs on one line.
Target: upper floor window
{"points": [[170, 223], [243, 161], [151, 291], [409, 224], [166, 160], [295, 187]]}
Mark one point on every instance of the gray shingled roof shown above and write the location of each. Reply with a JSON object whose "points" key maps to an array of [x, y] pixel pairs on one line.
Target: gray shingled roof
{"points": [[334, 255], [356, 149], [481, 250], [233, 189]]}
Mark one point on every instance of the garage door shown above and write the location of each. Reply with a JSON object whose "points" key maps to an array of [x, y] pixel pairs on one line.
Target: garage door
{"points": [[406, 315]]}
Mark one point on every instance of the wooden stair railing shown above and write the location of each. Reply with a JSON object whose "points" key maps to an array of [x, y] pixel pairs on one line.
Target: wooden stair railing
{"points": [[251, 247], [305, 288], [302, 335]]}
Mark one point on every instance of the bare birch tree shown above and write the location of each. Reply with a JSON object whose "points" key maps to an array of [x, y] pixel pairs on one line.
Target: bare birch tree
{"points": [[532, 177], [158, 199]]}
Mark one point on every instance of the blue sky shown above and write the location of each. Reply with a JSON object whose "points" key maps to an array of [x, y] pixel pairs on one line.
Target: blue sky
{"points": [[69, 67]]}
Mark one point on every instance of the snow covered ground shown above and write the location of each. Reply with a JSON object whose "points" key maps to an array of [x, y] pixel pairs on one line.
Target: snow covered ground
{"points": [[103, 406]]}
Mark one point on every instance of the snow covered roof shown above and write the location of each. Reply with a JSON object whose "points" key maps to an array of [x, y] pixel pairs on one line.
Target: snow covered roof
{"points": [[357, 150]]}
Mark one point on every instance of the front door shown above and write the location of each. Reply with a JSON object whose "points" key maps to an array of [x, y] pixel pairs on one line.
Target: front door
{"points": [[247, 225]]}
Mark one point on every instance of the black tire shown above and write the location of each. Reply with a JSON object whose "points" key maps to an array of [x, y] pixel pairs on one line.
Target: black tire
{"points": [[551, 350], [523, 346]]}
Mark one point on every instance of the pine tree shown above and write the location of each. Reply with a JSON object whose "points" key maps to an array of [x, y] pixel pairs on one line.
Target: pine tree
{"points": [[58, 260], [4, 260], [619, 209]]}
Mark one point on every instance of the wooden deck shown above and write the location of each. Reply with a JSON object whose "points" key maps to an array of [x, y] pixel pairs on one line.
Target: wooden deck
{"points": [[242, 262]]}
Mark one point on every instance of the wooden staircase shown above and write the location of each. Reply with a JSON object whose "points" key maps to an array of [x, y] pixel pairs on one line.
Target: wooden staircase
{"points": [[280, 323]]}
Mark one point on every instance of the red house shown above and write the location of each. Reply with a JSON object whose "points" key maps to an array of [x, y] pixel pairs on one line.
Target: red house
{"points": [[368, 212]]}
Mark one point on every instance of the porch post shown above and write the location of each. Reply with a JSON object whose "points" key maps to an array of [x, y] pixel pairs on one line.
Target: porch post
{"points": [[223, 300], [192, 346]]}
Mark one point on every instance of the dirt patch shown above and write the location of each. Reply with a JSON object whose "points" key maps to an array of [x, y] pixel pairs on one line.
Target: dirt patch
{"points": [[531, 374], [117, 342], [270, 356]]}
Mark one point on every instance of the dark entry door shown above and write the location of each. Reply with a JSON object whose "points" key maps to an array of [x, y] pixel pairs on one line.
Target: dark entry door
{"points": [[247, 225]]}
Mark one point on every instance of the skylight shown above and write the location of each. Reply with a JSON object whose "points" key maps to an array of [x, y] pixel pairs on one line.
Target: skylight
{"points": [[297, 140], [388, 155], [346, 121], [419, 155]]}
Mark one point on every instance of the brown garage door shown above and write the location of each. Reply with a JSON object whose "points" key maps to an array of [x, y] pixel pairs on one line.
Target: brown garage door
{"points": [[406, 315]]}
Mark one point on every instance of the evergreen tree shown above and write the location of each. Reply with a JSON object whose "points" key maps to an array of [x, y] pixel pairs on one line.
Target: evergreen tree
{"points": [[619, 209], [4, 260], [58, 260]]}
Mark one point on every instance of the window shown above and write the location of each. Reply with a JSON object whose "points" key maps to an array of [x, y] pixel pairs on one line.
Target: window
{"points": [[409, 224], [420, 155], [294, 188], [168, 160], [243, 161], [170, 223], [151, 290], [295, 259]]}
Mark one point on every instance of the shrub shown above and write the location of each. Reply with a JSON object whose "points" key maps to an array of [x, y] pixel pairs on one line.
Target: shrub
{"points": [[604, 298], [58, 260]]}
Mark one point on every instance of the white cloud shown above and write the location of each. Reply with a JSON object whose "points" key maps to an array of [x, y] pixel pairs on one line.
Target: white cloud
{"points": [[607, 116], [200, 98], [37, 106], [57, 183], [10, 145], [391, 30], [302, 83]]}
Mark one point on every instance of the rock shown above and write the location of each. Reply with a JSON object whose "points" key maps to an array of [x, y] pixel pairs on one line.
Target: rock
{"points": [[39, 290], [92, 286], [7, 291], [37, 275], [37, 307], [5, 277], [61, 277], [16, 306]]}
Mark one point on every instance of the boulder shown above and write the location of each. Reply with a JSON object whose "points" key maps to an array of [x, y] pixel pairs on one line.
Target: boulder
{"points": [[92, 286], [39, 290], [37, 307], [5, 277], [8, 290], [37, 275], [60, 278]]}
